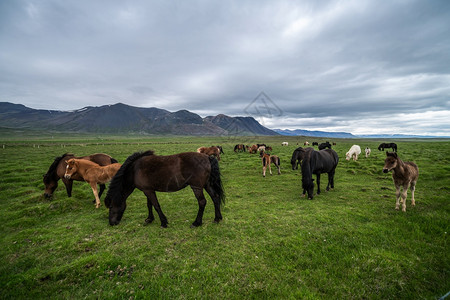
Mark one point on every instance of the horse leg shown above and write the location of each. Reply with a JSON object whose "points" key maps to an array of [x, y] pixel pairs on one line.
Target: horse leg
{"points": [[397, 196], [150, 217], [216, 200], [68, 183], [413, 188], [198, 192], [404, 194], [94, 190], [151, 196], [270, 169], [278, 167], [318, 183], [264, 171], [102, 188]]}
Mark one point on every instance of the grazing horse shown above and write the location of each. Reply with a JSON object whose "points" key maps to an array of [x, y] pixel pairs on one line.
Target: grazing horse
{"points": [[150, 173], [383, 146], [368, 151], [306, 143], [214, 151], [404, 174], [58, 168], [284, 144], [239, 148], [261, 148], [325, 145], [354, 151], [220, 148], [92, 173], [317, 162], [315, 144], [267, 159], [253, 149], [298, 155]]}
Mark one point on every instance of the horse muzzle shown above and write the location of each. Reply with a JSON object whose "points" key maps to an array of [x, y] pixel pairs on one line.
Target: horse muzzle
{"points": [[385, 170], [67, 176]]}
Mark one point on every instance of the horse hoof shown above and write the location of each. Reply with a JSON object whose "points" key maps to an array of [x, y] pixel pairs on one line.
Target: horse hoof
{"points": [[195, 225], [147, 222]]}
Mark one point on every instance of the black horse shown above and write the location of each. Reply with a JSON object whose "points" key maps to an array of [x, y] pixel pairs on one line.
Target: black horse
{"points": [[388, 145], [317, 162], [315, 144], [150, 173], [325, 145], [298, 155]]}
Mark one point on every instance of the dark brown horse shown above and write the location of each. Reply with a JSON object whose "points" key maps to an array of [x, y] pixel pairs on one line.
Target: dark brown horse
{"points": [[58, 168], [152, 173], [298, 155]]}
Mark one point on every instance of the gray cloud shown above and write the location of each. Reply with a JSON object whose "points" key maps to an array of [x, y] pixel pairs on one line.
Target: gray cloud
{"points": [[329, 65]]}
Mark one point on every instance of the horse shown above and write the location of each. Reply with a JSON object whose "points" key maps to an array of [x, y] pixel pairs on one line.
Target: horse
{"points": [[306, 143], [220, 148], [315, 144], [284, 144], [239, 148], [317, 162], [298, 155], [383, 146], [58, 168], [150, 173], [404, 174], [368, 151], [268, 148], [324, 145], [92, 173], [253, 149], [261, 148], [214, 151], [267, 159], [354, 151]]}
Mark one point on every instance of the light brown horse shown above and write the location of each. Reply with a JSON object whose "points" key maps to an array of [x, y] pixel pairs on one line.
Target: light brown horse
{"points": [[92, 173], [58, 168], [253, 149], [214, 151], [267, 159], [404, 174]]}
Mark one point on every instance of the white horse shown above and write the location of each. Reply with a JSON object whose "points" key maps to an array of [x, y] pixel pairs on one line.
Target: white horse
{"points": [[284, 144], [368, 151], [354, 151]]}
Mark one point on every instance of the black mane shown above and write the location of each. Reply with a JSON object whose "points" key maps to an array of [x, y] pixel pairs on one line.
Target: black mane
{"points": [[117, 185], [54, 165]]}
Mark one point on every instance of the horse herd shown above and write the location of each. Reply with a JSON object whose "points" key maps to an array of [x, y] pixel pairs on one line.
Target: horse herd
{"points": [[200, 170]]}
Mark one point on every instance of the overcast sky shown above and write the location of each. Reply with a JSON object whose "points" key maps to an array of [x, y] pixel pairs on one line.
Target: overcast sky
{"points": [[356, 66]]}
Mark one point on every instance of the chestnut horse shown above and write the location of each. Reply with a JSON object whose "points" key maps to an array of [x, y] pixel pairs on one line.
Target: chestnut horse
{"points": [[404, 174], [92, 173], [150, 173], [214, 151], [58, 168], [267, 159]]}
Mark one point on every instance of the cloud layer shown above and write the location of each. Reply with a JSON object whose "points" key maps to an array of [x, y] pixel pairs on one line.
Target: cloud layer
{"points": [[356, 66]]}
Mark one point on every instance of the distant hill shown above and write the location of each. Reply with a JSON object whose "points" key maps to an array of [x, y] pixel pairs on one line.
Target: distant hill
{"points": [[300, 132], [122, 118]]}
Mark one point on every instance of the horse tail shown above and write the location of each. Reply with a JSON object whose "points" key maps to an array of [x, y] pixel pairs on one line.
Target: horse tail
{"points": [[215, 180], [123, 180]]}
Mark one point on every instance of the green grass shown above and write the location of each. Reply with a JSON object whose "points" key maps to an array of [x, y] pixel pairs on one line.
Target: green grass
{"points": [[346, 243]]}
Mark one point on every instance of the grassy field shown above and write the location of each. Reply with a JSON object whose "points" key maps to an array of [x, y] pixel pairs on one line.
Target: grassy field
{"points": [[349, 243]]}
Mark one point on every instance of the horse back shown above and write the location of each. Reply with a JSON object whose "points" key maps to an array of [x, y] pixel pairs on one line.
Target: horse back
{"points": [[325, 160], [171, 172]]}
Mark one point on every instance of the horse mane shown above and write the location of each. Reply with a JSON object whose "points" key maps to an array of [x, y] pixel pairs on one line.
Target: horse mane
{"points": [[54, 165], [307, 167], [119, 181]]}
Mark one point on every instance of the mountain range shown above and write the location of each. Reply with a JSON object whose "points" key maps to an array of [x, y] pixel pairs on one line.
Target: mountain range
{"points": [[122, 118]]}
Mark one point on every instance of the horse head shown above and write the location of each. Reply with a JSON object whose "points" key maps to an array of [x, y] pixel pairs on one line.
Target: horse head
{"points": [[390, 162], [71, 168], [50, 185], [115, 211]]}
